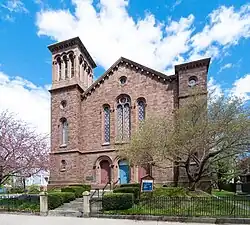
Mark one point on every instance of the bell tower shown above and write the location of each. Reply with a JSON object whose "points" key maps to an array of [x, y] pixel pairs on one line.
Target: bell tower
{"points": [[72, 74], [71, 64]]}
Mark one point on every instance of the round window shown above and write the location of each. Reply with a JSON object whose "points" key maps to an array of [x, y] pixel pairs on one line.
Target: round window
{"points": [[192, 81], [123, 80], [63, 104]]}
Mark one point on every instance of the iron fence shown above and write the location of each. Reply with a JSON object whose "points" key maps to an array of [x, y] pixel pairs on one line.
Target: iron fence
{"points": [[19, 202], [216, 207]]}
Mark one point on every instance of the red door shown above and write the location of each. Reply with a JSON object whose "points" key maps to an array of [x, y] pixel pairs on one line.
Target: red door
{"points": [[105, 171]]}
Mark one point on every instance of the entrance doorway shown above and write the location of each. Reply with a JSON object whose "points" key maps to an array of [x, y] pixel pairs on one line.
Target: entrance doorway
{"points": [[123, 172], [105, 171]]}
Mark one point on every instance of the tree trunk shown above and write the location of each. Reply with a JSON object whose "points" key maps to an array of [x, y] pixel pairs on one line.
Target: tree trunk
{"points": [[1, 174], [192, 186], [176, 174]]}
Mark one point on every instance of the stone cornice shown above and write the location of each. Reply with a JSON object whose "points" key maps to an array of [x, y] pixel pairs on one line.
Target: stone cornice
{"points": [[67, 87], [76, 41], [192, 65], [82, 152], [132, 65]]}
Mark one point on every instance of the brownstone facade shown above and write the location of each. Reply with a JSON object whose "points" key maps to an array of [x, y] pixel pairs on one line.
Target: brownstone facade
{"points": [[80, 126]]}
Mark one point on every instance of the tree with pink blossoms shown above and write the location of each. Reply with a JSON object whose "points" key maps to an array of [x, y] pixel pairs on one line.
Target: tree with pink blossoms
{"points": [[23, 152]]}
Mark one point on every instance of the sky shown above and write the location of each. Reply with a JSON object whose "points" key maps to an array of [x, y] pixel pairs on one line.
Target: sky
{"points": [[155, 33]]}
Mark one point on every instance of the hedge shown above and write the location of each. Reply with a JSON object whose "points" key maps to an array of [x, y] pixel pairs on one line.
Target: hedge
{"points": [[117, 201], [134, 190], [56, 199], [86, 187], [231, 187], [75, 189]]}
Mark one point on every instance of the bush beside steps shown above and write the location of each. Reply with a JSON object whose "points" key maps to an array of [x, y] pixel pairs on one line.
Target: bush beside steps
{"points": [[117, 201]]}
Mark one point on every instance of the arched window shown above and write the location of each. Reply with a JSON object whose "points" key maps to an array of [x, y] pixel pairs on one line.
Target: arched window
{"points": [[64, 130], [123, 118], [141, 103], [63, 165], [106, 109], [65, 60], [72, 65], [59, 68]]}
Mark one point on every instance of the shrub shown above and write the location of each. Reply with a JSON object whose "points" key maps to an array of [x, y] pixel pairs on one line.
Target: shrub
{"points": [[134, 190], [75, 189], [131, 185], [67, 196], [34, 189], [55, 199], [170, 192], [86, 187], [16, 190], [231, 187], [117, 201], [54, 189]]}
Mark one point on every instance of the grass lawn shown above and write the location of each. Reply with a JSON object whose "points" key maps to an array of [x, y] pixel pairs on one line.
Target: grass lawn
{"points": [[180, 202], [223, 193], [195, 207]]}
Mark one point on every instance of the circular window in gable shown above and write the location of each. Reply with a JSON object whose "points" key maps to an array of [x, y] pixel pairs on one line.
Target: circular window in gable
{"points": [[192, 81], [123, 80]]}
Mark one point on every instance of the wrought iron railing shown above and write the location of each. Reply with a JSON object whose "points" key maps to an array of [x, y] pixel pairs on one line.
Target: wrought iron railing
{"points": [[23, 203], [214, 207]]}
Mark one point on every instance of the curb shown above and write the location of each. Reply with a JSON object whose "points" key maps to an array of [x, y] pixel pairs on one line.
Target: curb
{"points": [[177, 219]]}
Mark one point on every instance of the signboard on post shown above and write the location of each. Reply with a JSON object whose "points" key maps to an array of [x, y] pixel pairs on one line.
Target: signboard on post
{"points": [[147, 184]]}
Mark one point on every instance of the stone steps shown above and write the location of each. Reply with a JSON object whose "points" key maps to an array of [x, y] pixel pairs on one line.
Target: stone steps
{"points": [[75, 208]]}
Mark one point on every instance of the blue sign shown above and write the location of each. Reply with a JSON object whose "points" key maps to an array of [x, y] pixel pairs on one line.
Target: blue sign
{"points": [[147, 185]]}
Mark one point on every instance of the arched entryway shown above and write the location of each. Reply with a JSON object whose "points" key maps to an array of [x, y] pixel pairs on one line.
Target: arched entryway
{"points": [[124, 171], [105, 171]]}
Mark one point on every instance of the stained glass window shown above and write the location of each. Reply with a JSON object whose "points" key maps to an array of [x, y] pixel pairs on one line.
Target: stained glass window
{"points": [[106, 124], [141, 110], [123, 118], [119, 122]]}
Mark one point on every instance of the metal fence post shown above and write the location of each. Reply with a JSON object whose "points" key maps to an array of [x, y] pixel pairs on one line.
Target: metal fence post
{"points": [[43, 203], [86, 204]]}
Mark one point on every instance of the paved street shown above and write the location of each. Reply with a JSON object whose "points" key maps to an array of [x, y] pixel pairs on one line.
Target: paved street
{"points": [[8, 219]]}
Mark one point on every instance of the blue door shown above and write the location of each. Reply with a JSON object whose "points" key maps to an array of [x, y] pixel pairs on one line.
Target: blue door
{"points": [[124, 172]]}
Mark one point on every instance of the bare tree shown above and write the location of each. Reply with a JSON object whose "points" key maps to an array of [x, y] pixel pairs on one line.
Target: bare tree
{"points": [[23, 152], [202, 131]]}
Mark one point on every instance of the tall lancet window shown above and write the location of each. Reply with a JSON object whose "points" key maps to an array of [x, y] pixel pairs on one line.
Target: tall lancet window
{"points": [[65, 60], [141, 103], [123, 118], [72, 65], [59, 68], [64, 131], [106, 109]]}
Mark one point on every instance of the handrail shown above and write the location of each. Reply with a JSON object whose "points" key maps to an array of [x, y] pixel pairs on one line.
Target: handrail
{"points": [[96, 190], [116, 183]]}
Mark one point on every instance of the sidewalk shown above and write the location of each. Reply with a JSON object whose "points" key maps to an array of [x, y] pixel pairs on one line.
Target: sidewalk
{"points": [[8, 219]]}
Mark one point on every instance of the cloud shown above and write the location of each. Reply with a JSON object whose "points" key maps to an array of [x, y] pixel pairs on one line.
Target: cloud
{"points": [[225, 28], [226, 66], [16, 6], [214, 88], [241, 87], [29, 102], [177, 2], [110, 32]]}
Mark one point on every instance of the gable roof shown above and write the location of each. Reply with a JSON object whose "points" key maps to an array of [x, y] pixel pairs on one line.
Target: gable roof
{"points": [[133, 65]]}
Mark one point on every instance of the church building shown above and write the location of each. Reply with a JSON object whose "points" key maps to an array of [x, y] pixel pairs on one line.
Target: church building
{"points": [[91, 119]]}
